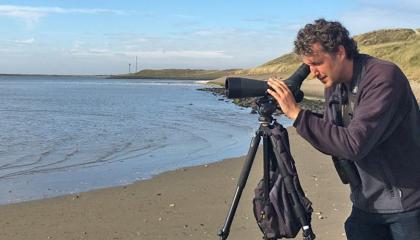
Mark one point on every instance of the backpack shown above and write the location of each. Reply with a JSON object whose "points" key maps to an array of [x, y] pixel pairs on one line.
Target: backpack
{"points": [[275, 213]]}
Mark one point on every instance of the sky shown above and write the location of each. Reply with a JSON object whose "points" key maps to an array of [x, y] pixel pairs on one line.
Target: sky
{"points": [[107, 36]]}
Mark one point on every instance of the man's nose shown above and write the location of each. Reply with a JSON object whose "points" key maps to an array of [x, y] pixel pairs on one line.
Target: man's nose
{"points": [[314, 71]]}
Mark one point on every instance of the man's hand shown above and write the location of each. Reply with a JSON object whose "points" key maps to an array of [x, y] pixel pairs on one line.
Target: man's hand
{"points": [[284, 97]]}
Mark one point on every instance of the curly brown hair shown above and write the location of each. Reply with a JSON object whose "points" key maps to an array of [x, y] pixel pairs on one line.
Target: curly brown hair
{"points": [[327, 33]]}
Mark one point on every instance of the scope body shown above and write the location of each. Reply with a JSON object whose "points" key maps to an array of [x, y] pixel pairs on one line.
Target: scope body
{"points": [[237, 87]]}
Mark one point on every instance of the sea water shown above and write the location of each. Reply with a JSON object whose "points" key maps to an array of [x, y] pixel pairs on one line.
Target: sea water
{"points": [[62, 135]]}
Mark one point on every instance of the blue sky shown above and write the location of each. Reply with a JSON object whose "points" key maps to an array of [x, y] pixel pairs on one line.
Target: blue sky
{"points": [[104, 37]]}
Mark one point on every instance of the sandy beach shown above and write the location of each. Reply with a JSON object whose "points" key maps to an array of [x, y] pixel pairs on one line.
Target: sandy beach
{"points": [[189, 203]]}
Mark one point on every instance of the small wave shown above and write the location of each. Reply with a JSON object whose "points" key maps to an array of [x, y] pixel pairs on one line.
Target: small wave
{"points": [[202, 82]]}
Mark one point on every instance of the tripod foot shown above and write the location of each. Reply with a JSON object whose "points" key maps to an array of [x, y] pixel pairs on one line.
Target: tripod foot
{"points": [[222, 234], [308, 234]]}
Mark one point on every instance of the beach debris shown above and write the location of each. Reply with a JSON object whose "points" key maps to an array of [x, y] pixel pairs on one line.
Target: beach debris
{"points": [[172, 205], [320, 216], [159, 219], [205, 165], [158, 194], [186, 226], [76, 197]]}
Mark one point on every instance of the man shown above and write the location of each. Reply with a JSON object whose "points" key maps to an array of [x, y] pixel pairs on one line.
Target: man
{"points": [[380, 134]]}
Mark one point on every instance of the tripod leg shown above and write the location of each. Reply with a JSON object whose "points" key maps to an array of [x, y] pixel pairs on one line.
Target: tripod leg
{"points": [[224, 232]]}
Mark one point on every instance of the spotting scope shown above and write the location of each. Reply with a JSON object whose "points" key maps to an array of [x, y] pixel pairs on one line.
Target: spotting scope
{"points": [[237, 87]]}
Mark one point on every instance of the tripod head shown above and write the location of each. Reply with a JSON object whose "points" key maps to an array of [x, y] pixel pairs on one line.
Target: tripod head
{"points": [[266, 107]]}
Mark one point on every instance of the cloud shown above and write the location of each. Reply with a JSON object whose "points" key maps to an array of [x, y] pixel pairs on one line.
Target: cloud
{"points": [[381, 14], [203, 33], [25, 41], [182, 53], [369, 19], [399, 7], [100, 51], [31, 15], [156, 54]]}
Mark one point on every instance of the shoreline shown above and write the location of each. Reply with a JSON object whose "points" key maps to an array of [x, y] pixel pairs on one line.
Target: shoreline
{"points": [[313, 101], [188, 203]]}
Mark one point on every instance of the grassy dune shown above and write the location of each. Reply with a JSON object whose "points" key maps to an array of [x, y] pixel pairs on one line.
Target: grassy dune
{"points": [[401, 46]]}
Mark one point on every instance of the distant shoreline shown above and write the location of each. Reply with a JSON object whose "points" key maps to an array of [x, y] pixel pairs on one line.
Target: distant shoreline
{"points": [[160, 78], [51, 75], [108, 76]]}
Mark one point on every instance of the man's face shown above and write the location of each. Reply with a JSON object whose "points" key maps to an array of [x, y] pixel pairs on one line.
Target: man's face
{"points": [[327, 67]]}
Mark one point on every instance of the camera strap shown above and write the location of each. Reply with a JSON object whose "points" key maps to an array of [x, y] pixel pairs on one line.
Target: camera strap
{"points": [[348, 92], [342, 104]]}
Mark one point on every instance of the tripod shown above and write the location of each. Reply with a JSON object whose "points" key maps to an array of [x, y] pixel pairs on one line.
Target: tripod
{"points": [[266, 108]]}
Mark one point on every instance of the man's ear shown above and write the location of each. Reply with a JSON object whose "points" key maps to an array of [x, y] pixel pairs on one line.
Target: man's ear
{"points": [[341, 53]]}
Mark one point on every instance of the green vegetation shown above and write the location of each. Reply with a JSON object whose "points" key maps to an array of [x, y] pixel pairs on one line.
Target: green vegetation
{"points": [[385, 36], [401, 46], [281, 65], [178, 74]]}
